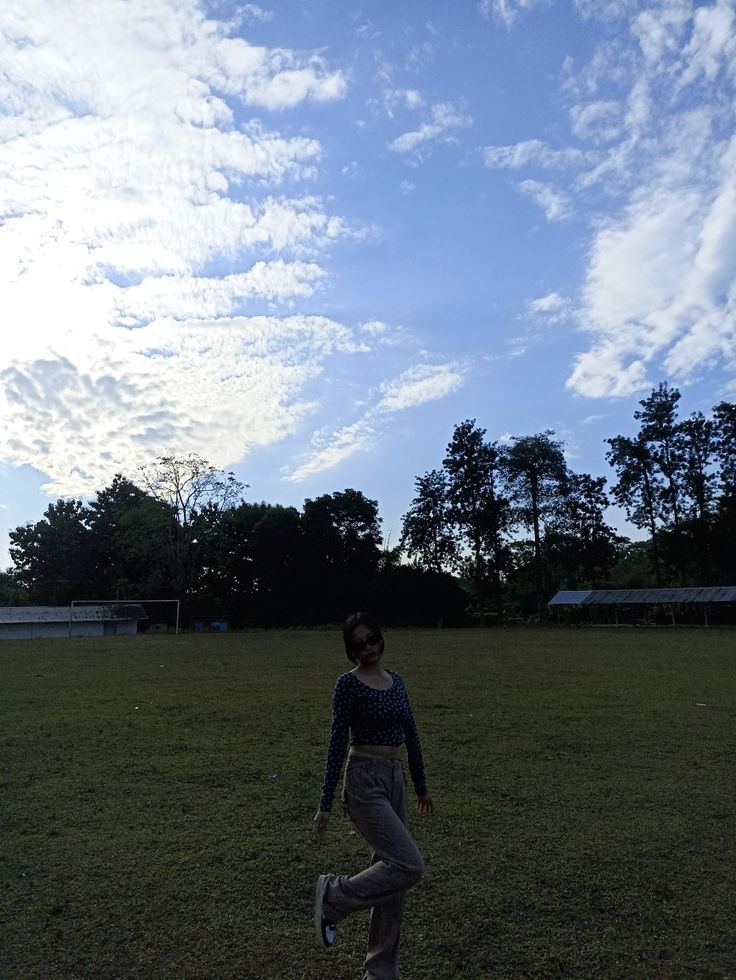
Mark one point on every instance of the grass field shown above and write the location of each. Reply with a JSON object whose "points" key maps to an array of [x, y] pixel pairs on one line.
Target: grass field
{"points": [[157, 796]]}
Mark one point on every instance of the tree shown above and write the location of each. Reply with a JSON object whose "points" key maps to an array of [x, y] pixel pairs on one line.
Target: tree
{"points": [[426, 527], [725, 446], [581, 541], [129, 535], [698, 445], [661, 432], [52, 557], [187, 485], [12, 593], [342, 542], [427, 533], [537, 475], [724, 533], [275, 548], [479, 510], [637, 489]]}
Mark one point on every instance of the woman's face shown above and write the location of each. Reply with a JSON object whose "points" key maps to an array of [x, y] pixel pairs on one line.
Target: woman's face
{"points": [[365, 645]]}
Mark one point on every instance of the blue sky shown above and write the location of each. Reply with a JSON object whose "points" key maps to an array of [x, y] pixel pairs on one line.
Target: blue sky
{"points": [[305, 239]]}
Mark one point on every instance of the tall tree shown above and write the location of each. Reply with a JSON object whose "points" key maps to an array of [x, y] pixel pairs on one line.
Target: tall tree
{"points": [[661, 432], [187, 485], [581, 538], [537, 475], [724, 415], [698, 445], [724, 536], [638, 490], [343, 538], [129, 531], [427, 534], [52, 557], [479, 510], [12, 593]]}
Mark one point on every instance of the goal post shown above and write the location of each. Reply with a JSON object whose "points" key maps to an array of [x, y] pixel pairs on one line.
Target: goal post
{"points": [[121, 602]]}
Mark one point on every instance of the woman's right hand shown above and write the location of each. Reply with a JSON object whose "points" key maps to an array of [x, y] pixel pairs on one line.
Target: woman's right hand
{"points": [[319, 825]]}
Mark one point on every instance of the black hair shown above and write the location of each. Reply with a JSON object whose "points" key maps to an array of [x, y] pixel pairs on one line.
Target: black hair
{"points": [[359, 619]]}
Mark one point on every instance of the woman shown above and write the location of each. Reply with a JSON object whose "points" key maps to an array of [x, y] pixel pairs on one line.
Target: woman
{"points": [[371, 707]]}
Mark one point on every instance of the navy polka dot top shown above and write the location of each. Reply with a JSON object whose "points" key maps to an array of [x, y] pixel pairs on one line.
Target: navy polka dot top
{"points": [[367, 716]]}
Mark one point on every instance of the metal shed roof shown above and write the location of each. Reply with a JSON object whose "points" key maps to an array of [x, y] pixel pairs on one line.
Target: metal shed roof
{"points": [[61, 614], [643, 597], [569, 598]]}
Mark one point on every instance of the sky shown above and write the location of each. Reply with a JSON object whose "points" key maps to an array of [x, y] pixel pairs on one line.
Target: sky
{"points": [[306, 239]]}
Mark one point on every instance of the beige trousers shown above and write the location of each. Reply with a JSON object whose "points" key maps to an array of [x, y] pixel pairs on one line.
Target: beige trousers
{"points": [[375, 799]]}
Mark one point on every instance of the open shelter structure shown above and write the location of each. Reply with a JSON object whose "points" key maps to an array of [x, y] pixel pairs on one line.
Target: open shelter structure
{"points": [[37, 622], [650, 606]]}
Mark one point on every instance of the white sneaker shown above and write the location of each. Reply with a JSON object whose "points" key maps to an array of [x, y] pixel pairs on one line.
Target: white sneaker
{"points": [[323, 929]]}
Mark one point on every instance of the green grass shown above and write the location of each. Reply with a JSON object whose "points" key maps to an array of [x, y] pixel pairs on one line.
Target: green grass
{"points": [[584, 822]]}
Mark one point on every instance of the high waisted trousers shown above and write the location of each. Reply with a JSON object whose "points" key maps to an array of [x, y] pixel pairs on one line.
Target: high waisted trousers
{"points": [[375, 800]]}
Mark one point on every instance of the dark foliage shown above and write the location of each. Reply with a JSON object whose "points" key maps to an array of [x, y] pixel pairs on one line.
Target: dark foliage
{"points": [[491, 535]]}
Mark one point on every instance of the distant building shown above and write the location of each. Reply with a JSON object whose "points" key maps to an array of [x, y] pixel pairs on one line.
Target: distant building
{"points": [[41, 622], [715, 605]]}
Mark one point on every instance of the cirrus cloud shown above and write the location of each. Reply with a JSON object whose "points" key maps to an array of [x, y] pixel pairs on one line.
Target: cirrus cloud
{"points": [[416, 386]]}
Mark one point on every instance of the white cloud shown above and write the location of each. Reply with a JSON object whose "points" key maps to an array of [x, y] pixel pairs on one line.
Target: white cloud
{"points": [[444, 118], [598, 121], [651, 166], [508, 10], [218, 388], [549, 303], [659, 31], [661, 283], [609, 9], [128, 173], [399, 98], [533, 153], [418, 385], [181, 297], [555, 204], [374, 327], [348, 441], [251, 11], [712, 46], [415, 386], [552, 307]]}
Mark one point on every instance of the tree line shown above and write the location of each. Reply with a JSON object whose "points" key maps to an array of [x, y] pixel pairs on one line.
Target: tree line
{"points": [[517, 524], [490, 535]]}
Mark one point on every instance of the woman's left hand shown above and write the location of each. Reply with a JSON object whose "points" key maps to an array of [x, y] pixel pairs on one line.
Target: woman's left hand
{"points": [[425, 804]]}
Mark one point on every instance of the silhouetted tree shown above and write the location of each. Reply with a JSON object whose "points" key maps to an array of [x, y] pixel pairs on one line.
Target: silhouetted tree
{"points": [[187, 485], [479, 510], [724, 532], [580, 542], [537, 475], [52, 557], [638, 490], [129, 535], [662, 434], [342, 540], [698, 446], [426, 527]]}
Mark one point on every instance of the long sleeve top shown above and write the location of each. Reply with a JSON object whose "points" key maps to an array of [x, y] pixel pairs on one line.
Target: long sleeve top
{"points": [[364, 715]]}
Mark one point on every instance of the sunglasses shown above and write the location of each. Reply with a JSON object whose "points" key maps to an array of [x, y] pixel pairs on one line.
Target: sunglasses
{"points": [[373, 640]]}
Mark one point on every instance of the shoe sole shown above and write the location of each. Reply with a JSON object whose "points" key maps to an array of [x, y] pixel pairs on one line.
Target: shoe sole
{"points": [[319, 892]]}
